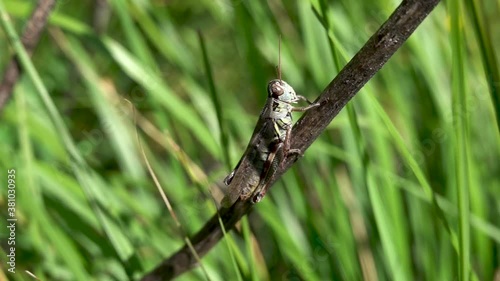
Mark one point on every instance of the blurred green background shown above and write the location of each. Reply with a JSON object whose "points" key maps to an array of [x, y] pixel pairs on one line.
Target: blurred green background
{"points": [[356, 206]]}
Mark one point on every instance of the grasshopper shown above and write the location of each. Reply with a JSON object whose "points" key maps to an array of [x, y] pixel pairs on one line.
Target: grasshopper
{"points": [[268, 147]]}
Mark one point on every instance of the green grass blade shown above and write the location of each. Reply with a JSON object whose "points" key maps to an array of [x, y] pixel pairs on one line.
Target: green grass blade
{"points": [[461, 130], [162, 93]]}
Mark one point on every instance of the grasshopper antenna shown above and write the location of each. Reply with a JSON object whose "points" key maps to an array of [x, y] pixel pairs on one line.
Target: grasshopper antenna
{"points": [[279, 58]]}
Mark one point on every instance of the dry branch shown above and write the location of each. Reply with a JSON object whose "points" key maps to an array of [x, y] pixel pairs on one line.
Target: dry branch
{"points": [[30, 39], [374, 54]]}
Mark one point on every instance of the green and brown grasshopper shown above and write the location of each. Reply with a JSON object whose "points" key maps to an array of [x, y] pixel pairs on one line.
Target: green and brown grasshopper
{"points": [[268, 147]]}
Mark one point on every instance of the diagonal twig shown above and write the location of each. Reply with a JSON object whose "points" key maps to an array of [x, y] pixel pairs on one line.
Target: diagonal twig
{"points": [[30, 39], [374, 54]]}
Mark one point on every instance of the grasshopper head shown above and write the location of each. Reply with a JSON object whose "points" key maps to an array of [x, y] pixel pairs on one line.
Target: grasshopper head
{"points": [[280, 90]]}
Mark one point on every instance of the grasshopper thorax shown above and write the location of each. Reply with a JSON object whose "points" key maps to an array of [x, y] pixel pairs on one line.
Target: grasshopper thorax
{"points": [[279, 89]]}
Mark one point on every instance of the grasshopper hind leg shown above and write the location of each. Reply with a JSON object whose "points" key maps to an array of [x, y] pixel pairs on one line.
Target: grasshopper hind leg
{"points": [[271, 165], [274, 162]]}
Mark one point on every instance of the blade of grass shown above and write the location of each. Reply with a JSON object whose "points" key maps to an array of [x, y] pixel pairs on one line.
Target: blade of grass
{"points": [[475, 10], [132, 34], [215, 99], [77, 163], [461, 144], [33, 199], [182, 112], [110, 118]]}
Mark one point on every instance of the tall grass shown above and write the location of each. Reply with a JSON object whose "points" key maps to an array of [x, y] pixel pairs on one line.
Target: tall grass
{"points": [[358, 205]]}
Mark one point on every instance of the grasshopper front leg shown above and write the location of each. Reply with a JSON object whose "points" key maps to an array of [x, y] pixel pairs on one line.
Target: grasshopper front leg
{"points": [[287, 149], [305, 108]]}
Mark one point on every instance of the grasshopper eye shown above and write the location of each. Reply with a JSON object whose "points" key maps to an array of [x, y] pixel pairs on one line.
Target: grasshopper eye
{"points": [[277, 90]]}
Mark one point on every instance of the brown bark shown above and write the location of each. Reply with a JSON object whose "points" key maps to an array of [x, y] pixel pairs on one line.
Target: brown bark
{"points": [[30, 39]]}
